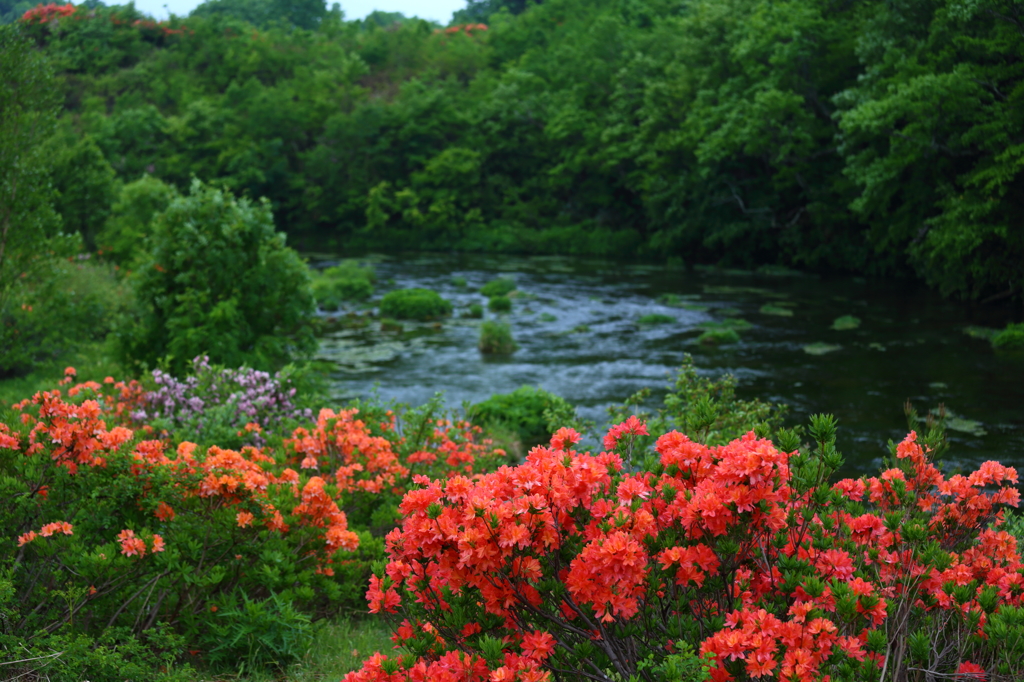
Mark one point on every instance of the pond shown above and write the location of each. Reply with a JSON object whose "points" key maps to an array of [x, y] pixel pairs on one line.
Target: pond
{"points": [[577, 325]]}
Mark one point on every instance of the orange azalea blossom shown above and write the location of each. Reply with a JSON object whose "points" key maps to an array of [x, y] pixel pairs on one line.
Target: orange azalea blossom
{"points": [[585, 521], [130, 544], [164, 512], [56, 527]]}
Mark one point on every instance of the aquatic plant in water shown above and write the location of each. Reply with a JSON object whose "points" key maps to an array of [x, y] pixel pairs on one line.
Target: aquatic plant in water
{"points": [[820, 348], [498, 287], [414, 304], [496, 338], [770, 309], [1011, 338], [656, 318], [500, 304], [846, 322], [718, 337]]}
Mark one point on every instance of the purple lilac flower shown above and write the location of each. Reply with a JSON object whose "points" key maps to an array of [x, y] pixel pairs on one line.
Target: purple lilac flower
{"points": [[252, 396]]}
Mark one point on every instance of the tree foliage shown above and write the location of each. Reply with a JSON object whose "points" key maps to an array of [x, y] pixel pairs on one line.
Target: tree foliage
{"points": [[220, 281], [875, 137]]}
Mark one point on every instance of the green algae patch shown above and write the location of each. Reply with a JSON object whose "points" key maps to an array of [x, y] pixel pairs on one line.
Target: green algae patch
{"points": [[771, 309], [502, 286], [656, 318], [1011, 338], [414, 304], [734, 323], [820, 348], [677, 300], [718, 337], [983, 333], [845, 323]]}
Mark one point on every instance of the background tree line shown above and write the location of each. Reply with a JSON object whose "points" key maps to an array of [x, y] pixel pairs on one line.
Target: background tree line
{"points": [[873, 137]]}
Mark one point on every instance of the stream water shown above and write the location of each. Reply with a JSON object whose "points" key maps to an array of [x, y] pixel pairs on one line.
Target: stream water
{"points": [[576, 325]]}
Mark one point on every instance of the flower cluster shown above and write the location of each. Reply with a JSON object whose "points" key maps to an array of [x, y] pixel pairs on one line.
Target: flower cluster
{"points": [[462, 28], [43, 14], [343, 444], [249, 400], [724, 547]]}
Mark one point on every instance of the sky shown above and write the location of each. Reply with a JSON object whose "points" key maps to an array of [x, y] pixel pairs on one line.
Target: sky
{"points": [[437, 10]]}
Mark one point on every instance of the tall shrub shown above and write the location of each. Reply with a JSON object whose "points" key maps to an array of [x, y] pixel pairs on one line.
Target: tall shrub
{"points": [[219, 281]]}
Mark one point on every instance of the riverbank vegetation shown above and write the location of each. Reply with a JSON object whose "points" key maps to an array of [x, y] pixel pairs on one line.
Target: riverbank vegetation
{"points": [[871, 138], [188, 503], [140, 546]]}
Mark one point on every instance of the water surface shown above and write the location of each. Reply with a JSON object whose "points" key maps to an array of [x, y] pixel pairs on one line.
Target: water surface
{"points": [[576, 324]]}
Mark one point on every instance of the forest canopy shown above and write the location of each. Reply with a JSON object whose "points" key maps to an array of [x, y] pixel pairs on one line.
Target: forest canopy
{"points": [[877, 137]]}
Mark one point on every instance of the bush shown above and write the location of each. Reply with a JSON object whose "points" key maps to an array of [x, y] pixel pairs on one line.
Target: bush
{"points": [[706, 409], [528, 411], [496, 337], [219, 281], [1011, 338], [123, 237], [347, 281], [500, 304], [623, 565], [230, 408], [414, 304], [258, 634], [474, 311], [498, 287], [113, 655], [45, 317], [110, 530]]}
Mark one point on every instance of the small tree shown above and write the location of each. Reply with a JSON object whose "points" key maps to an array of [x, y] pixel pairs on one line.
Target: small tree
{"points": [[28, 106], [220, 281]]}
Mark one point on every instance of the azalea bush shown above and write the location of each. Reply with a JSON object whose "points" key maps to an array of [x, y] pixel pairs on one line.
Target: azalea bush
{"points": [[110, 527], [740, 561]]}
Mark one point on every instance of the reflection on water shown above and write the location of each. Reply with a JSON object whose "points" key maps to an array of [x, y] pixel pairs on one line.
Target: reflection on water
{"points": [[577, 323]]}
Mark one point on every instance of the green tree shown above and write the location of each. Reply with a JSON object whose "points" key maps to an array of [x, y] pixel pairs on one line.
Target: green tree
{"points": [[932, 137], [125, 234], [86, 186], [220, 281], [28, 107]]}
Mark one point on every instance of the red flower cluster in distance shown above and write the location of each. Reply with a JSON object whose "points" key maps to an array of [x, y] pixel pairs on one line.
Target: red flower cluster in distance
{"points": [[574, 561], [462, 28], [42, 14]]}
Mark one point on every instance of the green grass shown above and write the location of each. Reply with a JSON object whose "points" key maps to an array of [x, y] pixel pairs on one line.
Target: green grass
{"points": [[338, 648], [92, 361]]}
